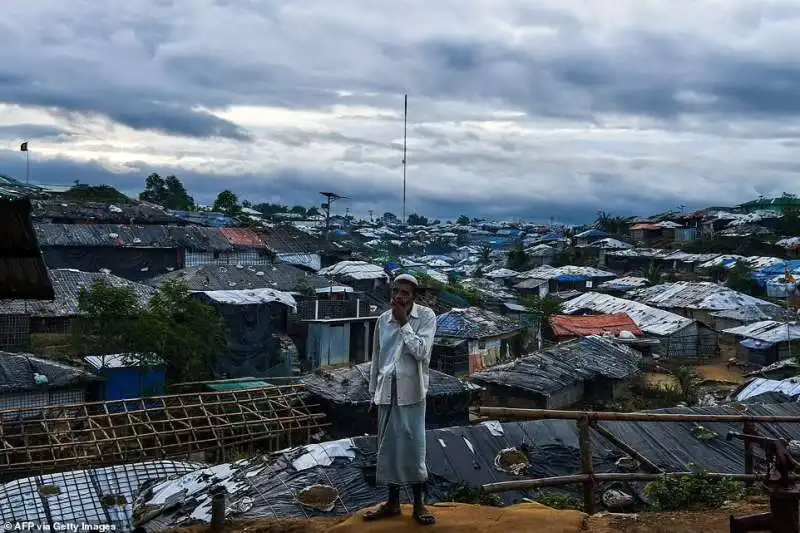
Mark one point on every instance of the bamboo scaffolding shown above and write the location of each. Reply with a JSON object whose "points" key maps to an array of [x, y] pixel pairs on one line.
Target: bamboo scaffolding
{"points": [[52, 438]]}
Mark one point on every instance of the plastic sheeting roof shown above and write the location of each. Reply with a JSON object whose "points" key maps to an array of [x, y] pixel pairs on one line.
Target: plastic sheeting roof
{"points": [[790, 387], [17, 373], [649, 319], [551, 370], [624, 284], [455, 456], [251, 296], [355, 270], [81, 492], [550, 272], [703, 295]]}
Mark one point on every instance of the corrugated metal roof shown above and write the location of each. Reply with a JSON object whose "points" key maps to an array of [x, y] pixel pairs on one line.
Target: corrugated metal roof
{"points": [[67, 284], [640, 252], [355, 270], [127, 236], [649, 319], [292, 240], [563, 365], [585, 326], [243, 237], [474, 323], [280, 276], [767, 331], [646, 227], [704, 295], [251, 297]]}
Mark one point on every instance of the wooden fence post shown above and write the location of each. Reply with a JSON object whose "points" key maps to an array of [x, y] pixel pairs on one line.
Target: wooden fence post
{"points": [[749, 429], [218, 504], [585, 439]]}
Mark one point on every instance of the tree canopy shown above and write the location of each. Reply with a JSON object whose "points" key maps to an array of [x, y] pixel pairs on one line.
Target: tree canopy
{"points": [[463, 220], [167, 192], [227, 202], [185, 333], [417, 220]]}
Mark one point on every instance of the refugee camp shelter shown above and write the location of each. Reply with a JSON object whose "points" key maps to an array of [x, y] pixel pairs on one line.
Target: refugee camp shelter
{"points": [[343, 395], [588, 370], [566, 327], [127, 376], [766, 342], [471, 339], [30, 382], [256, 320], [679, 336], [23, 322]]}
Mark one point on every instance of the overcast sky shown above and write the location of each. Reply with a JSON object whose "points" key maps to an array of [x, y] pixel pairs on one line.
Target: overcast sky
{"points": [[516, 108]]}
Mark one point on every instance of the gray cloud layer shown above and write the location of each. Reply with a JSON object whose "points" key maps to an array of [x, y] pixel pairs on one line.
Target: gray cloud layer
{"points": [[724, 71]]}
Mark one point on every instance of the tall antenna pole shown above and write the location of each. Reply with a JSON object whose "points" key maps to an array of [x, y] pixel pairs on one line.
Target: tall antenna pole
{"points": [[405, 138]]}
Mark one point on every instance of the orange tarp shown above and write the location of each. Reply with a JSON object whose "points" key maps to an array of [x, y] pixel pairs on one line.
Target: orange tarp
{"points": [[565, 326]]}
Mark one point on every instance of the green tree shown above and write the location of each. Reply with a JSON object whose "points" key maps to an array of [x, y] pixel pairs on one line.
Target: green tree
{"points": [[108, 314], [299, 210], [688, 384], [417, 220], [517, 259], [390, 218], [544, 307], [462, 239], [653, 274], [312, 211], [611, 224], [740, 278], [485, 255], [227, 202], [167, 192], [463, 220], [187, 334]]}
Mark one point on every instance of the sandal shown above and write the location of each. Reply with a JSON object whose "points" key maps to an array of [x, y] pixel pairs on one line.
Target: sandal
{"points": [[384, 511], [423, 517]]}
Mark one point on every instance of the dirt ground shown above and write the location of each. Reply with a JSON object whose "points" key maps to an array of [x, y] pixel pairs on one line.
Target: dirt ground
{"points": [[462, 518]]}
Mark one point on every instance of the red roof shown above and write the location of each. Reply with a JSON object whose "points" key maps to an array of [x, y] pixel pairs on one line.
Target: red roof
{"points": [[243, 237], [583, 326]]}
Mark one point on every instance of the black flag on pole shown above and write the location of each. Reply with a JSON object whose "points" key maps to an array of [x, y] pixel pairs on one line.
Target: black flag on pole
{"points": [[23, 147]]}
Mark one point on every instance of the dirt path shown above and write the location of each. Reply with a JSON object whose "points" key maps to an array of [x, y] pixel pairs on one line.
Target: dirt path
{"points": [[461, 518]]}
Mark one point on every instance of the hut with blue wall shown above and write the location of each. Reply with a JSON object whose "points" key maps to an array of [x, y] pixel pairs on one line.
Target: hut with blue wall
{"points": [[126, 377]]}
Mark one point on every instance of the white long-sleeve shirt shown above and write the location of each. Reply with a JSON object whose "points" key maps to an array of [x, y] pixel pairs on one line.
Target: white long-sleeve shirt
{"points": [[404, 352]]}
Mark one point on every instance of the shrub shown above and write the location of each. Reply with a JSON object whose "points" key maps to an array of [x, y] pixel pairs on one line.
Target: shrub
{"points": [[700, 491]]}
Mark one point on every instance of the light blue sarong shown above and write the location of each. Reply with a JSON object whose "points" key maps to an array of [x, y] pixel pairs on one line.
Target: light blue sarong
{"points": [[401, 443]]}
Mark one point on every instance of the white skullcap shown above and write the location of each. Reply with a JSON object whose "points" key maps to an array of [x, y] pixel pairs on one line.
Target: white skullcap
{"points": [[407, 278]]}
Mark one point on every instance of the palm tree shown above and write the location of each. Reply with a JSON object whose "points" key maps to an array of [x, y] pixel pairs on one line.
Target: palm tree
{"points": [[653, 274], [688, 383]]}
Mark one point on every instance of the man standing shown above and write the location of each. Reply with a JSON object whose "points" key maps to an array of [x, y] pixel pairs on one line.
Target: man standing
{"points": [[398, 384]]}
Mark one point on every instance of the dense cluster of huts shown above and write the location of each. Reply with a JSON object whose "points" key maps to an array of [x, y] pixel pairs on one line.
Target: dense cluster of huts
{"points": [[300, 304]]}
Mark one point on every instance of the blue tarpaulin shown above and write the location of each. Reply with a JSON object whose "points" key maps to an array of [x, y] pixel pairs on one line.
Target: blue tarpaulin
{"points": [[754, 344]]}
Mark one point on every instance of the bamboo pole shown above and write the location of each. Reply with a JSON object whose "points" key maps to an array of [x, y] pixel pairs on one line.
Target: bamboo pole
{"points": [[630, 450], [587, 469], [528, 484], [748, 429], [508, 413]]}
